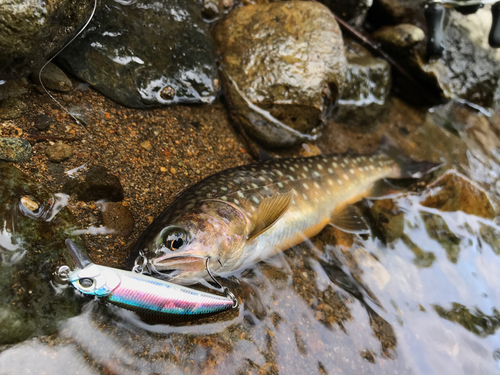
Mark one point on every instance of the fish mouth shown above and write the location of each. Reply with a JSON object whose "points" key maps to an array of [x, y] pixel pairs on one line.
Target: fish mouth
{"points": [[179, 263]]}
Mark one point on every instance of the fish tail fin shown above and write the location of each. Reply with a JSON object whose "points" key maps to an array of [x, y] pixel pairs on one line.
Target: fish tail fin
{"points": [[408, 167]]}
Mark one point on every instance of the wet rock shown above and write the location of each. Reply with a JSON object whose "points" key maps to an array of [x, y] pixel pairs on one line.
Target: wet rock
{"points": [[368, 85], [59, 152], [144, 54], [401, 36], [32, 248], [281, 77], [42, 122], [387, 219], [15, 149], [53, 78], [118, 218], [12, 89], [352, 11], [99, 184], [32, 31], [12, 108], [454, 192]]}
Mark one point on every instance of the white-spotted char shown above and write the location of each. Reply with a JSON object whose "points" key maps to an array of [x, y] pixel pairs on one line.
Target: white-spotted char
{"points": [[245, 214]]}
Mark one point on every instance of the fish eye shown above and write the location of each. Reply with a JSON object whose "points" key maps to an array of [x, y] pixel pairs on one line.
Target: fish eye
{"points": [[86, 282], [175, 239]]}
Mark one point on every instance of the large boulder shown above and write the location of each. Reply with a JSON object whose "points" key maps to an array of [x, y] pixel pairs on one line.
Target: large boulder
{"points": [[31, 31], [146, 53], [282, 64]]}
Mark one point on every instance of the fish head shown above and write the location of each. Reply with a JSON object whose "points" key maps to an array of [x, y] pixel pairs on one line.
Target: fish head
{"points": [[215, 230], [94, 280]]}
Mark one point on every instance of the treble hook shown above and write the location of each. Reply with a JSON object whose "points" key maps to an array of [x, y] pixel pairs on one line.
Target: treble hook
{"points": [[224, 289]]}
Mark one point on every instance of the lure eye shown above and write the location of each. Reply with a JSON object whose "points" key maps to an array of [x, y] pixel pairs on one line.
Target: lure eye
{"points": [[175, 239], [86, 283]]}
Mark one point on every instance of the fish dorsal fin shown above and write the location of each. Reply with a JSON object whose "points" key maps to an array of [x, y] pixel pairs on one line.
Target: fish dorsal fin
{"points": [[349, 219], [270, 211]]}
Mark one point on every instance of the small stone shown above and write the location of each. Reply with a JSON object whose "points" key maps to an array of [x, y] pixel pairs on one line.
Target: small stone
{"points": [[12, 108], [118, 218], [29, 203], [53, 78], [66, 98], [15, 149], [173, 170], [167, 93], [308, 149], [42, 122], [404, 35], [163, 169], [146, 145], [59, 152]]}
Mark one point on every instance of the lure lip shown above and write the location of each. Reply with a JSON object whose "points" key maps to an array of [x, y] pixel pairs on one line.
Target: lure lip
{"points": [[77, 256]]}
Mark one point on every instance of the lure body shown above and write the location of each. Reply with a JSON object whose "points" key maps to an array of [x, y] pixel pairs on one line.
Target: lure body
{"points": [[143, 294]]}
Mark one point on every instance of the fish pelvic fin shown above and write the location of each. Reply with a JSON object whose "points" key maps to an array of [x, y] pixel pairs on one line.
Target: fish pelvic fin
{"points": [[408, 167], [270, 211], [350, 219]]}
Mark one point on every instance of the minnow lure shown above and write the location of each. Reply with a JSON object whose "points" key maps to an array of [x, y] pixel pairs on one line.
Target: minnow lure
{"points": [[140, 293], [246, 214]]}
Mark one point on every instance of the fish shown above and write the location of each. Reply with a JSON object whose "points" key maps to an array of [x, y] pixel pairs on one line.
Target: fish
{"points": [[246, 214], [150, 297]]}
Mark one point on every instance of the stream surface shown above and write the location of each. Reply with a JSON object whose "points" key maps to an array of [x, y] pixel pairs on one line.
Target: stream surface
{"points": [[426, 302]]}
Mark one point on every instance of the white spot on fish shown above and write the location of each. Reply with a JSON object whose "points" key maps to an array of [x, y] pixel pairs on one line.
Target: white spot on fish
{"points": [[335, 165], [292, 169], [223, 188], [291, 178], [305, 186], [224, 198], [305, 168], [320, 167], [345, 176], [280, 184], [279, 173], [255, 186], [255, 199], [240, 194], [351, 171], [305, 197], [316, 185], [330, 182], [330, 170], [236, 201], [262, 178], [266, 188], [339, 181]]}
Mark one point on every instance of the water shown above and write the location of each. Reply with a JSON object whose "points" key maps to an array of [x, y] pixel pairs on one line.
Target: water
{"points": [[424, 303]]}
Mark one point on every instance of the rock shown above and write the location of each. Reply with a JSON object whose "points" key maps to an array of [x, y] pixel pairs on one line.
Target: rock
{"points": [[353, 11], [32, 248], [401, 36], [387, 219], [144, 55], [368, 85], [31, 31], [118, 218], [16, 150], [455, 192], [12, 89], [99, 184], [42, 122], [53, 78], [146, 145], [281, 77], [12, 108], [59, 152]]}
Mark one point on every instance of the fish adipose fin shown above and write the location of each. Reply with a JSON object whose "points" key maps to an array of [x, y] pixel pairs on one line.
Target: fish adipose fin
{"points": [[270, 211], [349, 219], [408, 168]]}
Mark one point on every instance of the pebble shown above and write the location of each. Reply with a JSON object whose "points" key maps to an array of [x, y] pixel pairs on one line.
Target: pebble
{"points": [[42, 122], [146, 145], [59, 152], [118, 218], [400, 36], [53, 78], [12, 108], [173, 170], [16, 150], [12, 89]]}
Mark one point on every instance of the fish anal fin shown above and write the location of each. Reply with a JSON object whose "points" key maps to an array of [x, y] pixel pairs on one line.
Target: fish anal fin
{"points": [[271, 209], [349, 219]]}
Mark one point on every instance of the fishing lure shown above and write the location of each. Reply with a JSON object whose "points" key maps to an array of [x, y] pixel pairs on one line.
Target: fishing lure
{"points": [[140, 293]]}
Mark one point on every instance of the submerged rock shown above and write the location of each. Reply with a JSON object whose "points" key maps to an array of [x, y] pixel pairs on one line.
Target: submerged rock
{"points": [[53, 78], [12, 89], [282, 64], [16, 150], [368, 85], [59, 152], [35, 225], [118, 218], [145, 53], [402, 36], [12, 108], [31, 31]]}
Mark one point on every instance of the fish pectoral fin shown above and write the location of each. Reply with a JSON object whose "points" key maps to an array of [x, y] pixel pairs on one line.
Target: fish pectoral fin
{"points": [[270, 211], [349, 219]]}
